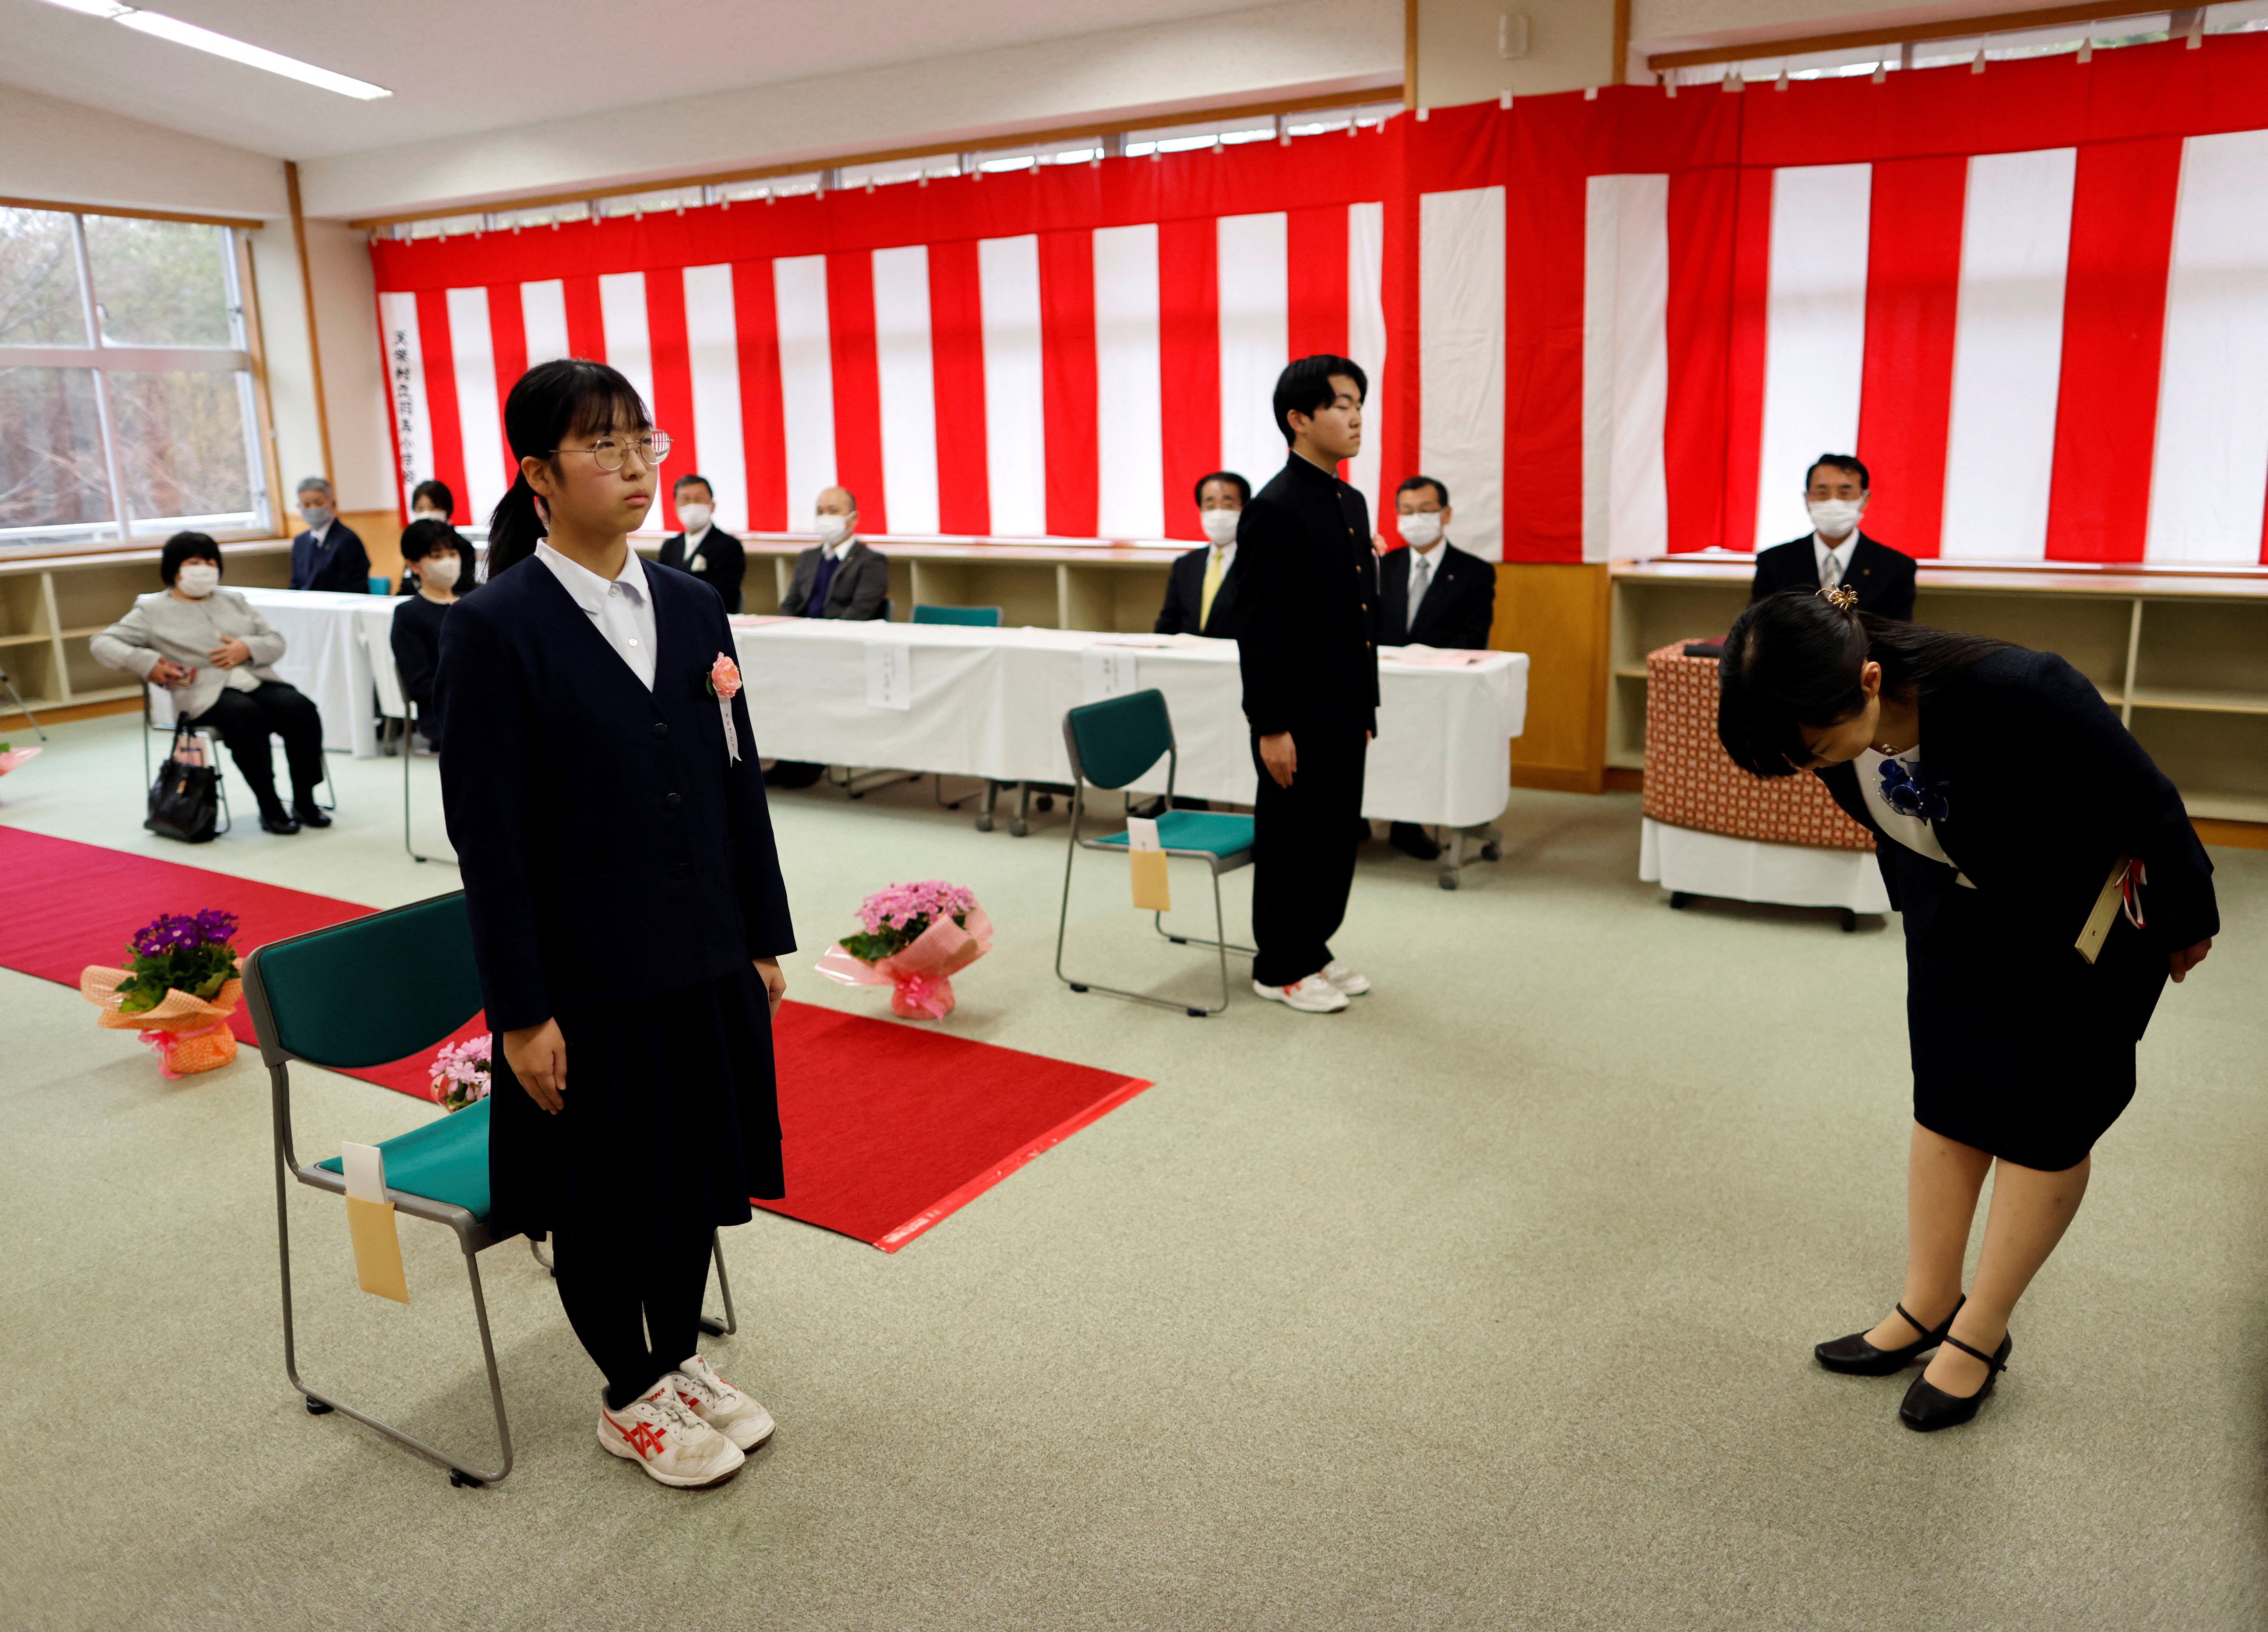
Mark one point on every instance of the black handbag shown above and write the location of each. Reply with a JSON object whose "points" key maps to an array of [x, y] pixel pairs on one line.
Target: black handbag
{"points": [[185, 800]]}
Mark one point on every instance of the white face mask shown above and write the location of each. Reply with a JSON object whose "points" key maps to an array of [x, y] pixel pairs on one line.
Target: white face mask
{"points": [[1833, 517], [197, 579], [316, 515], [440, 570], [695, 517], [1219, 524], [832, 530], [427, 515], [1420, 528]]}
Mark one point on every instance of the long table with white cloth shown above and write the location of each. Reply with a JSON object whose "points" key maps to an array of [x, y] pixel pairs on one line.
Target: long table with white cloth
{"points": [[338, 649], [989, 702]]}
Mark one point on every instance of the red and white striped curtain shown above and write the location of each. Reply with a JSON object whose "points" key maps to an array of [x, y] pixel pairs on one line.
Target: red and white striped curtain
{"points": [[2035, 300]]}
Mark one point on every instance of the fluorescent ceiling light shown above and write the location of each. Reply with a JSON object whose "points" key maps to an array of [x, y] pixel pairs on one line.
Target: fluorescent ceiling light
{"points": [[189, 34]]}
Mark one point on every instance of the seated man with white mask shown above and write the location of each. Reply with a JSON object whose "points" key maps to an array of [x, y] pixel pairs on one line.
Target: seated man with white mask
{"points": [[1838, 553], [1431, 594], [840, 578], [704, 549], [1197, 601]]}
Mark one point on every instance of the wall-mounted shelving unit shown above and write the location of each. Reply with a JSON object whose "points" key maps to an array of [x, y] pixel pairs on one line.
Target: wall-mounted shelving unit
{"points": [[2182, 655]]}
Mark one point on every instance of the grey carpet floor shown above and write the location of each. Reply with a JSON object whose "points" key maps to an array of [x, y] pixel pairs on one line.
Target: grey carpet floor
{"points": [[1487, 1304]]}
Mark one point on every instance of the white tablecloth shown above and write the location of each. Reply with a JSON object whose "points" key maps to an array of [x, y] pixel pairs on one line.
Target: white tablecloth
{"points": [[336, 648], [1692, 863], [990, 703]]}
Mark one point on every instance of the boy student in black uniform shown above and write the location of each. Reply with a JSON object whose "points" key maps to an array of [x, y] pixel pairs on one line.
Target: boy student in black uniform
{"points": [[1431, 594], [1306, 583], [1835, 492], [2049, 882], [429, 558], [704, 549], [627, 908]]}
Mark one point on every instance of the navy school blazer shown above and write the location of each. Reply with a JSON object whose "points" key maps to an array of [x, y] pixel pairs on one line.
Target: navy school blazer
{"points": [[609, 852], [2044, 789]]}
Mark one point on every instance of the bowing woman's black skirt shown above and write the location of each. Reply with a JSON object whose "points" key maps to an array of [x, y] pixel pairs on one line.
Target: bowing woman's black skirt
{"points": [[672, 1117], [2021, 1047]]}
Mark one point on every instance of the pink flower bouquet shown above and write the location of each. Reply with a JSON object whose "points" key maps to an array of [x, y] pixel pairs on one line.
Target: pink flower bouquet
{"points": [[918, 937], [461, 1072]]}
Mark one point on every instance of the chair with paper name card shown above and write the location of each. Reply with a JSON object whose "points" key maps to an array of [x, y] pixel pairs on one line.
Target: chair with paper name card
{"points": [[972, 617], [363, 993], [1110, 743]]}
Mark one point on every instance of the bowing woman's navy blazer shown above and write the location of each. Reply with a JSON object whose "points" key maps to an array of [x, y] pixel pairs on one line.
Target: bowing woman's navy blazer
{"points": [[610, 851]]}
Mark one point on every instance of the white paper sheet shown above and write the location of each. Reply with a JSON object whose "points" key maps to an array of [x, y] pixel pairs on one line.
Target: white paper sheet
{"points": [[889, 676], [364, 1168], [1109, 672]]}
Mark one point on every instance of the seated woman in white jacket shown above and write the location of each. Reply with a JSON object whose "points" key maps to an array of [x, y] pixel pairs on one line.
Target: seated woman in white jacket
{"points": [[209, 647]]}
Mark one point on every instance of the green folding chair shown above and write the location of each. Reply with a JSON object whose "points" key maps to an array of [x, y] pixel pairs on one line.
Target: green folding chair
{"points": [[975, 617], [1111, 743], [344, 997]]}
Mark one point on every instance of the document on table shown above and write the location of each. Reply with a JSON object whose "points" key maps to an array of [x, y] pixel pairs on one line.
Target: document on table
{"points": [[890, 676], [1107, 671]]}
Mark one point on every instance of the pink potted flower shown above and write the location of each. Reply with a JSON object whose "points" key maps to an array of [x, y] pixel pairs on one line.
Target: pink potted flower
{"points": [[917, 935]]}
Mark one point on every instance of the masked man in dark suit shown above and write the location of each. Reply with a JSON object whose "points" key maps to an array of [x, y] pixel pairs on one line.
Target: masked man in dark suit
{"points": [[1198, 601], [838, 578], [704, 549], [328, 556], [1836, 553], [1306, 582], [1431, 594]]}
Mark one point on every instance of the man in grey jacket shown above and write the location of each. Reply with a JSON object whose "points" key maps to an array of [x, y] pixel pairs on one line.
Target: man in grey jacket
{"points": [[212, 649], [840, 578]]}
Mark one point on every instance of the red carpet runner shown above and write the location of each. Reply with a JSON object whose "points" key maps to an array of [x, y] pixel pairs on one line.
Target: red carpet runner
{"points": [[889, 1126]]}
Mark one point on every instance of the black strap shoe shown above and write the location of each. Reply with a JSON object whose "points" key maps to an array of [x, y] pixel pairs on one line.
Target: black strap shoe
{"points": [[310, 814], [277, 820], [1855, 1357], [1926, 1408]]}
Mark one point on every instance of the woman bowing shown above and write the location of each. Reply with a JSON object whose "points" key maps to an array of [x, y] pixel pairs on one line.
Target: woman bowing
{"points": [[2049, 882], [628, 913]]}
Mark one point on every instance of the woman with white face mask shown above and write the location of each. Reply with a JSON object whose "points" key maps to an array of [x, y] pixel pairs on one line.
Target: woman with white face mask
{"points": [[212, 649], [434, 552]]}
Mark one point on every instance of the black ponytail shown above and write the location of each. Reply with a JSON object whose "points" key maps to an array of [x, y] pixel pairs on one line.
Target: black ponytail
{"points": [[554, 403], [1794, 660]]}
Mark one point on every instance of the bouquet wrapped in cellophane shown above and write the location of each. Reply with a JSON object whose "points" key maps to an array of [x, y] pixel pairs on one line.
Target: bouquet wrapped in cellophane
{"points": [[918, 937], [178, 990]]}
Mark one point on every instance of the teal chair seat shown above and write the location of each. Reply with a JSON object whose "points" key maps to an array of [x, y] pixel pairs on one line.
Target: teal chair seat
{"points": [[974, 617], [1195, 832], [446, 1160]]}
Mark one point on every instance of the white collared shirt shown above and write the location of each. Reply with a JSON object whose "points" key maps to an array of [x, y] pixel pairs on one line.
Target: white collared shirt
{"points": [[693, 561], [1822, 552], [322, 533], [837, 552], [620, 609]]}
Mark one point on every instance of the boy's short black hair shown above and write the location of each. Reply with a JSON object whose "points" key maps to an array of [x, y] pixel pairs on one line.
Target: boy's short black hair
{"points": [[420, 539], [1304, 387], [187, 547]]}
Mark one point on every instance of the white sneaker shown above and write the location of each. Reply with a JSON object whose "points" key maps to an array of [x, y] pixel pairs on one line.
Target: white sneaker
{"points": [[720, 1405], [1313, 995], [674, 1446], [1345, 979]]}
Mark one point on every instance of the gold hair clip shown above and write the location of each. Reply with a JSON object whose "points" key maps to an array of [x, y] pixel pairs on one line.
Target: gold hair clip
{"points": [[1842, 597]]}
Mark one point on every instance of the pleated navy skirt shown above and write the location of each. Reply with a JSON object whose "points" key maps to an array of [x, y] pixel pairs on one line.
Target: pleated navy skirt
{"points": [[672, 1117]]}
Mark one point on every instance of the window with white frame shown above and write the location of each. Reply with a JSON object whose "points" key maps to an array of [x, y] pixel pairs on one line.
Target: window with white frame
{"points": [[126, 389]]}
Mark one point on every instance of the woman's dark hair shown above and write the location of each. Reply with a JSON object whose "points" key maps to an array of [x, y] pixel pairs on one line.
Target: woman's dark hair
{"points": [[185, 547], [553, 403], [1304, 386], [1792, 660], [438, 493], [1243, 488], [420, 539]]}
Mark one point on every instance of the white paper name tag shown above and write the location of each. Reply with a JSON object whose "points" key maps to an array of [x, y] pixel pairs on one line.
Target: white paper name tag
{"points": [[889, 675], [1107, 671], [364, 1168]]}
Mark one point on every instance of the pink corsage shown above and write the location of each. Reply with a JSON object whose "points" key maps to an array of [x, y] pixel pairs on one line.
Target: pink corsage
{"points": [[725, 685]]}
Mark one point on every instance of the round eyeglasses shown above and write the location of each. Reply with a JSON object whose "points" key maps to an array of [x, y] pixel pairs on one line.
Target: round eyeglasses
{"points": [[609, 452]]}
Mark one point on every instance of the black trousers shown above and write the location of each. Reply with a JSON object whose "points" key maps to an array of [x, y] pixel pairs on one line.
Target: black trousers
{"points": [[244, 720], [1303, 852], [635, 1302]]}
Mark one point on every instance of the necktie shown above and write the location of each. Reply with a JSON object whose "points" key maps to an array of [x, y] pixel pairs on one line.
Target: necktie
{"points": [[1831, 574], [1214, 572], [1421, 579]]}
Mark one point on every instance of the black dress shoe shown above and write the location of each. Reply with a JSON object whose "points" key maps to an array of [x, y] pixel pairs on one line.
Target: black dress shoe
{"points": [[1926, 1408], [277, 820], [1412, 840], [310, 814], [1855, 1357]]}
